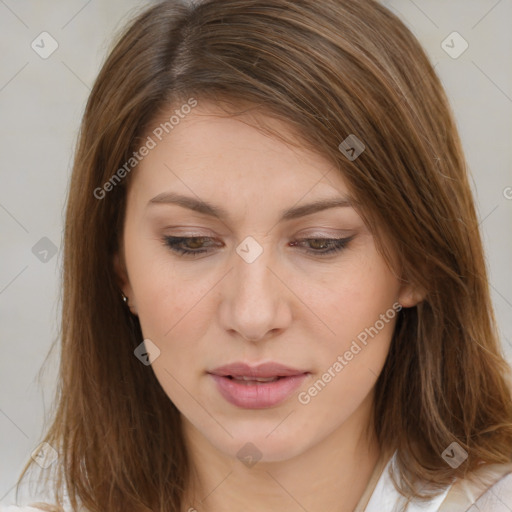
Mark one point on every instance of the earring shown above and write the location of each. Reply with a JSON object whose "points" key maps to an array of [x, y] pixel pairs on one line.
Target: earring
{"points": [[125, 298]]}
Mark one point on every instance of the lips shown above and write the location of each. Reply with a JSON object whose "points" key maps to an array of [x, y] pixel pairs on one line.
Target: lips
{"points": [[257, 387]]}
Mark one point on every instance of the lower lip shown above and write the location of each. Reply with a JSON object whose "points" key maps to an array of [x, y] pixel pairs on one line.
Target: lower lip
{"points": [[257, 395]]}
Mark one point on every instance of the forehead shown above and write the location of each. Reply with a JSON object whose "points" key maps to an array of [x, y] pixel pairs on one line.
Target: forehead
{"points": [[221, 154]]}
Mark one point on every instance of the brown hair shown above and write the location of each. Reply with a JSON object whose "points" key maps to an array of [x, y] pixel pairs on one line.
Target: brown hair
{"points": [[329, 69]]}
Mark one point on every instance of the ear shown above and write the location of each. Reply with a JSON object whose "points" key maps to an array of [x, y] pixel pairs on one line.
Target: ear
{"points": [[410, 295], [123, 280]]}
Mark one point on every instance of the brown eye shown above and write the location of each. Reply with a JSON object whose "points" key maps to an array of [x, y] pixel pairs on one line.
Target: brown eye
{"points": [[187, 245], [320, 246], [319, 243]]}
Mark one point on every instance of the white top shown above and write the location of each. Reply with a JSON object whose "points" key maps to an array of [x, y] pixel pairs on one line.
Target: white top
{"points": [[13, 508], [385, 498], [496, 498]]}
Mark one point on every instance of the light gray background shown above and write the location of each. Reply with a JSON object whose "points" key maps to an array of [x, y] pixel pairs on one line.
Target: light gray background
{"points": [[41, 102]]}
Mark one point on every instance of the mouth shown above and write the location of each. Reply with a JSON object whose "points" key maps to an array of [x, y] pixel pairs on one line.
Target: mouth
{"points": [[257, 387], [259, 372], [253, 380]]}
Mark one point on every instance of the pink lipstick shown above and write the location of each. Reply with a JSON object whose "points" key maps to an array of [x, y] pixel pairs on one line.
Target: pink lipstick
{"points": [[257, 386]]}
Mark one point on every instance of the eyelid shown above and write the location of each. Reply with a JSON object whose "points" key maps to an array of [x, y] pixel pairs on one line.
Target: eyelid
{"points": [[322, 234], [186, 231], [190, 231]]}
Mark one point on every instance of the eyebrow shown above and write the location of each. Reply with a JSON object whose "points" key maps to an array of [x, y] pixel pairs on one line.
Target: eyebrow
{"points": [[220, 213]]}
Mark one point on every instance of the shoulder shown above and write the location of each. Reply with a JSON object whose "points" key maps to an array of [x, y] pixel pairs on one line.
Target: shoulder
{"points": [[34, 507], [13, 508], [490, 490], [498, 497]]}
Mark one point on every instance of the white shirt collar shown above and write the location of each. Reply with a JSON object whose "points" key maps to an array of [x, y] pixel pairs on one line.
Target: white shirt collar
{"points": [[385, 498]]}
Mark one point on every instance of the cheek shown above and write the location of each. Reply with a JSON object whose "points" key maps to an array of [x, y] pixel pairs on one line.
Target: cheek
{"points": [[350, 361], [173, 313], [354, 297], [359, 307], [174, 307], [166, 294]]}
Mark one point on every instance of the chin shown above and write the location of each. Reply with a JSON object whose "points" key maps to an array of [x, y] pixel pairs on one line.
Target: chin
{"points": [[258, 445]]}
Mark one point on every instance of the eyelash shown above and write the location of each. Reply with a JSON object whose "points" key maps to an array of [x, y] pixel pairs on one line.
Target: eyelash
{"points": [[337, 245]]}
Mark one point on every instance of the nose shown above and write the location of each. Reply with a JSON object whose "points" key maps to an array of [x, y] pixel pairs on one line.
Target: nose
{"points": [[255, 302]]}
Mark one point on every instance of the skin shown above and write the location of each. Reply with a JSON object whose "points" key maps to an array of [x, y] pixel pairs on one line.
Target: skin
{"points": [[289, 306]]}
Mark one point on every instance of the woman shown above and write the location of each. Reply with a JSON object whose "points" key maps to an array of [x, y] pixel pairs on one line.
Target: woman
{"points": [[275, 296]]}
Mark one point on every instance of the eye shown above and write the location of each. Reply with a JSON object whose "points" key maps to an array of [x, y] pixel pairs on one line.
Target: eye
{"points": [[196, 245], [321, 246]]}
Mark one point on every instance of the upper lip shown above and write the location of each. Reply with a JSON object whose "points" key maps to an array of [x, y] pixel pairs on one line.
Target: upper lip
{"points": [[270, 369]]}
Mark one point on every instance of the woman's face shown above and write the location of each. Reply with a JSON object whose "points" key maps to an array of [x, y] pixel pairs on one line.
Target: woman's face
{"points": [[264, 285]]}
